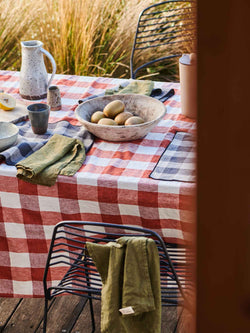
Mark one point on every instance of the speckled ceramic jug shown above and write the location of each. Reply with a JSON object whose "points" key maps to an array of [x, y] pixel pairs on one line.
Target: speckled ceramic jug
{"points": [[33, 75]]}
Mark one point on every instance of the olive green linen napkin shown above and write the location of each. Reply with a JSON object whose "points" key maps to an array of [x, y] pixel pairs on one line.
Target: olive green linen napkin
{"points": [[60, 155], [142, 87], [131, 293]]}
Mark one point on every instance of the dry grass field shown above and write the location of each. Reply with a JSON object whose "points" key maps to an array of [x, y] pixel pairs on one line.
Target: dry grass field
{"points": [[86, 37]]}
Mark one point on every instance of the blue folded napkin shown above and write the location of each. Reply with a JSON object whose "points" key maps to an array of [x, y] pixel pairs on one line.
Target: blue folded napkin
{"points": [[28, 142], [178, 160]]}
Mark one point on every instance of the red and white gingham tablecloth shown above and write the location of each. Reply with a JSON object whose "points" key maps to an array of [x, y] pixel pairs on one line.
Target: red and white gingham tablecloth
{"points": [[111, 186]]}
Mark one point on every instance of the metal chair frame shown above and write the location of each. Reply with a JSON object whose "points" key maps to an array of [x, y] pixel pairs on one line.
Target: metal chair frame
{"points": [[81, 277], [161, 26]]}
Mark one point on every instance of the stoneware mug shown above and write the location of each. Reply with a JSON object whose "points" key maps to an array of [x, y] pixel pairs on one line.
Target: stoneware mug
{"points": [[54, 98], [39, 117]]}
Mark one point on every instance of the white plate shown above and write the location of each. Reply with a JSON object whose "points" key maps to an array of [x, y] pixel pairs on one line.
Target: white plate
{"points": [[19, 111], [8, 135]]}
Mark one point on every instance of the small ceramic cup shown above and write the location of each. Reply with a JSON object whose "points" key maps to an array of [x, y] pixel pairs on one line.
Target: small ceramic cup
{"points": [[54, 98], [39, 117]]}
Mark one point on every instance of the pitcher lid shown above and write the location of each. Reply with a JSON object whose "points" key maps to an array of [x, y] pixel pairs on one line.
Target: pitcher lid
{"points": [[188, 59]]}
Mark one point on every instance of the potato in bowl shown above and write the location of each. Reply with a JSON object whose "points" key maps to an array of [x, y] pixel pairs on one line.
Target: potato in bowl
{"points": [[149, 109]]}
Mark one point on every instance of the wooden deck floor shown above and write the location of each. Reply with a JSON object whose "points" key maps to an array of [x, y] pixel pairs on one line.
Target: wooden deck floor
{"points": [[66, 314]]}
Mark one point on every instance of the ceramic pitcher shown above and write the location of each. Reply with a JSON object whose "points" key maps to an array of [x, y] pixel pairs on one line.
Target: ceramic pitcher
{"points": [[33, 75]]}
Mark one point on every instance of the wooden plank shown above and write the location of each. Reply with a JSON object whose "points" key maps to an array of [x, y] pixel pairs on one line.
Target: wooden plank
{"points": [[84, 324], [66, 314], [26, 317], [7, 307], [186, 322], [169, 319], [63, 314]]}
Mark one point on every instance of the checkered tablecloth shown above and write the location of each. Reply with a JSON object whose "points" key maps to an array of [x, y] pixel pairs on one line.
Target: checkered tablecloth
{"points": [[113, 185]]}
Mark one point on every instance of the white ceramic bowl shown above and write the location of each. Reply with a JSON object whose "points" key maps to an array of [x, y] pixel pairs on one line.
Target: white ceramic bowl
{"points": [[8, 134], [150, 109]]}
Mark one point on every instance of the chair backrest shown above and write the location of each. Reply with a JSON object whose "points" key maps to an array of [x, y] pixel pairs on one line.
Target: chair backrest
{"points": [[69, 268], [164, 31]]}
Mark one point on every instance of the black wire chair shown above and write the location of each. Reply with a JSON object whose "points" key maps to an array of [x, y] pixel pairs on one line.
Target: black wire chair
{"points": [[69, 263], [164, 31]]}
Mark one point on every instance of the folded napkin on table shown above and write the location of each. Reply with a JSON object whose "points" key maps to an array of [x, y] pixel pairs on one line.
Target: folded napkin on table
{"points": [[28, 142], [178, 160], [131, 293], [60, 155], [142, 87]]}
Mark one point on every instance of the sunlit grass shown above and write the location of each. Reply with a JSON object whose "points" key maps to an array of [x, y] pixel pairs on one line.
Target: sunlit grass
{"points": [[85, 37], [16, 19]]}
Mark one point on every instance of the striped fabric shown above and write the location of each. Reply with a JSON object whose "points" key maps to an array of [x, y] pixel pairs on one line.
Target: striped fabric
{"points": [[28, 142], [113, 185], [178, 160]]}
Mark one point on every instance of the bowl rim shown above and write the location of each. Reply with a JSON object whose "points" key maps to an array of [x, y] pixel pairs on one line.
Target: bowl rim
{"points": [[11, 125], [120, 126]]}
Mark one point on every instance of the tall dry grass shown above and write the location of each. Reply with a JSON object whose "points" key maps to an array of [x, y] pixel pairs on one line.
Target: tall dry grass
{"points": [[78, 32], [90, 37], [166, 30], [86, 37], [16, 19]]}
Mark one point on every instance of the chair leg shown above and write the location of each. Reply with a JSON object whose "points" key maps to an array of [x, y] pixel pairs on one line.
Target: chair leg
{"points": [[92, 314], [45, 315]]}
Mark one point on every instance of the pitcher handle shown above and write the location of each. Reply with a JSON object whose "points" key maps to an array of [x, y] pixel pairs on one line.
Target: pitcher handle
{"points": [[53, 64]]}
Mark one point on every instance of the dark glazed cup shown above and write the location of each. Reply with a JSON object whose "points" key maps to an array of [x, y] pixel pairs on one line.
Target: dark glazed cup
{"points": [[39, 117]]}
